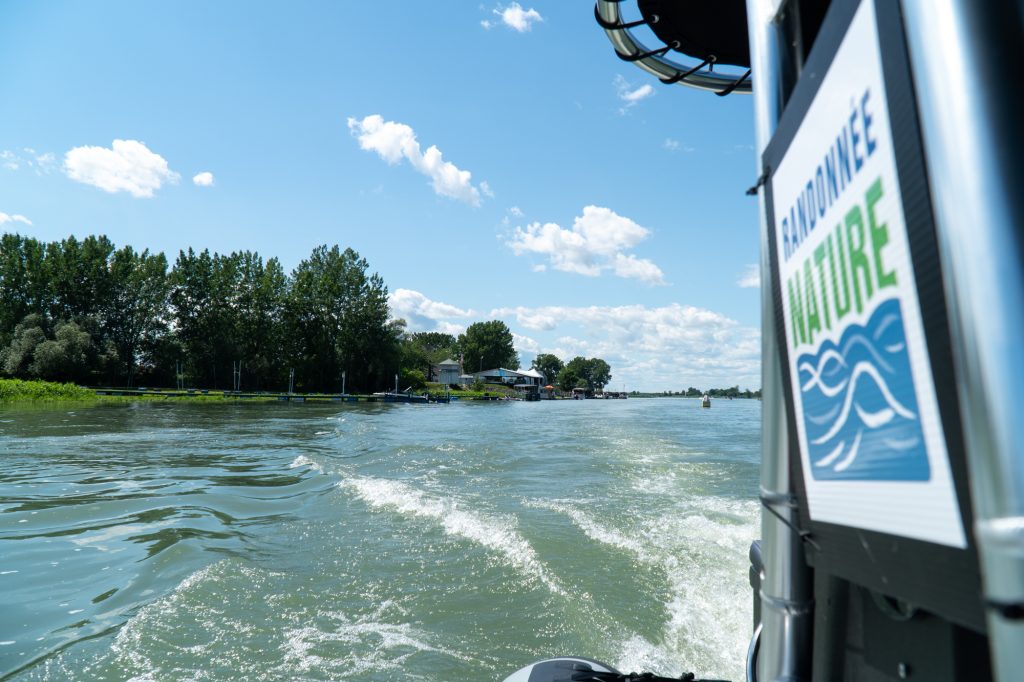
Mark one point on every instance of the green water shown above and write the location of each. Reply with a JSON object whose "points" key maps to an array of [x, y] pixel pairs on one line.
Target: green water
{"points": [[454, 542]]}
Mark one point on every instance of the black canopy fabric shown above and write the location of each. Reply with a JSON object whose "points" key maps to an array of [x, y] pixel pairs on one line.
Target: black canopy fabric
{"points": [[716, 30]]}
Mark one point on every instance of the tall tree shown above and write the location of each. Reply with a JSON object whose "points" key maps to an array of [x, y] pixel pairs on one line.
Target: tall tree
{"points": [[23, 282], [137, 312], [549, 365], [263, 289], [202, 297], [80, 277], [337, 318], [487, 345]]}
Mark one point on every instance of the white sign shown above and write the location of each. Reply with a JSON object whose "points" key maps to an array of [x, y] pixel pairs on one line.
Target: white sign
{"points": [[870, 436]]}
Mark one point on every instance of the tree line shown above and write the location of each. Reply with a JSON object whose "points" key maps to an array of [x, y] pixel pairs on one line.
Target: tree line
{"points": [[88, 312]]}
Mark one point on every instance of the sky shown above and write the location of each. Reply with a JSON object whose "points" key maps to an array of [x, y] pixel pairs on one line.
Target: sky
{"points": [[490, 161]]}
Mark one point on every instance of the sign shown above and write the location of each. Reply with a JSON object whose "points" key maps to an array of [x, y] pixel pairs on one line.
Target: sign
{"points": [[869, 432]]}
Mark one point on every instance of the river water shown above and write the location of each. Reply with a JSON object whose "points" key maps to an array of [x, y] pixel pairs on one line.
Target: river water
{"points": [[176, 541]]}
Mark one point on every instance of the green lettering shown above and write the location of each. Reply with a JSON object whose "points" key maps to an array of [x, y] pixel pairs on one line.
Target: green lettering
{"points": [[813, 317], [796, 310], [858, 261], [819, 260], [879, 236], [842, 307]]}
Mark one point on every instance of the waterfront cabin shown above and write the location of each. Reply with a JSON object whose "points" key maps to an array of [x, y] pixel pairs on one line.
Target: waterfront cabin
{"points": [[448, 372]]}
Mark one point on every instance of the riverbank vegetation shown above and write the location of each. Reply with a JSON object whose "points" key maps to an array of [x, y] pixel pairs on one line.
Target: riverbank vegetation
{"points": [[17, 390], [87, 312]]}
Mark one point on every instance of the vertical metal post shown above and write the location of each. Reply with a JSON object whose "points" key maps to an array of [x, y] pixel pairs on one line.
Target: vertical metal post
{"points": [[291, 381], [396, 383], [786, 587], [343, 383], [965, 57]]}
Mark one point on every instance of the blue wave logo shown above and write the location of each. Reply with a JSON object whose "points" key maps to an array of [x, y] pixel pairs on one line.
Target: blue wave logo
{"points": [[860, 408]]}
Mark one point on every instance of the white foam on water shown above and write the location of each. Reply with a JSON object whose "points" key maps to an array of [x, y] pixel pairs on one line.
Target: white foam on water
{"points": [[701, 546], [497, 534], [129, 640], [303, 461]]}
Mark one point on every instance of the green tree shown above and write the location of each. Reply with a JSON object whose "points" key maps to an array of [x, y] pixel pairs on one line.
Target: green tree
{"points": [[338, 318], [28, 334], [259, 318], [65, 357], [79, 277], [203, 296], [137, 311], [423, 350], [549, 365], [487, 345], [23, 282], [588, 373]]}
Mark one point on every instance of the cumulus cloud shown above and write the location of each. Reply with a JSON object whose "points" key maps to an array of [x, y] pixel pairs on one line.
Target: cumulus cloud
{"points": [[631, 96], [204, 179], [128, 166], [396, 141], [15, 218], [750, 278], [524, 344], [423, 314], [514, 17], [597, 243], [666, 347]]}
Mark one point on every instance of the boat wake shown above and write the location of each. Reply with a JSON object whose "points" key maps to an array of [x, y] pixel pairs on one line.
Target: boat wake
{"points": [[860, 409]]}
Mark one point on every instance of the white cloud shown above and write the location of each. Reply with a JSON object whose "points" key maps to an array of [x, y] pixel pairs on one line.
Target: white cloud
{"points": [[524, 344], [29, 158], [751, 277], [396, 141], [516, 18], [668, 347], [516, 211], [204, 179], [596, 243], [675, 146], [424, 314], [486, 189], [629, 95], [128, 166], [15, 218]]}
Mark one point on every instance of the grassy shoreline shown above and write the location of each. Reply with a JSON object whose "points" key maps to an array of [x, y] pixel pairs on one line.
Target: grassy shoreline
{"points": [[37, 391], [19, 391]]}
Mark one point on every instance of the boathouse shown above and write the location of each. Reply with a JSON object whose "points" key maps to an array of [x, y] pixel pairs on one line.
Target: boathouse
{"points": [[448, 371]]}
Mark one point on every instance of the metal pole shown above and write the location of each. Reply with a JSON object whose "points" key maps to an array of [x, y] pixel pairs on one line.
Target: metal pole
{"points": [[291, 381], [964, 57], [786, 586], [343, 383]]}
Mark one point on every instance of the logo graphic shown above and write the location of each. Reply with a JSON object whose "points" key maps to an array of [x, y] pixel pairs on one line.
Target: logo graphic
{"points": [[860, 411]]}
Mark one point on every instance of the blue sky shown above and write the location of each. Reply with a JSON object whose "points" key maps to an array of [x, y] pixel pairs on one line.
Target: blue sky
{"points": [[489, 160]]}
